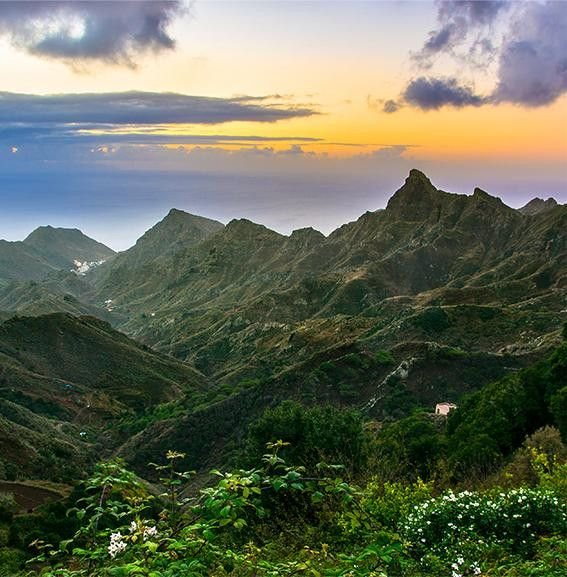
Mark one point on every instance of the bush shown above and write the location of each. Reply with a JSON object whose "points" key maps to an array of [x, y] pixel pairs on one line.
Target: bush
{"points": [[433, 320], [313, 434], [383, 357], [457, 522]]}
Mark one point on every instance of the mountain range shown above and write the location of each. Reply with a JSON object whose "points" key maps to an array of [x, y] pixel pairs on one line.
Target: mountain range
{"points": [[423, 301]]}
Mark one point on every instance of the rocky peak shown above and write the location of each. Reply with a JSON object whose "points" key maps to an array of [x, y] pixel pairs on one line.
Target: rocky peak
{"points": [[178, 225], [415, 199], [481, 196], [307, 233], [537, 205], [244, 229], [306, 237]]}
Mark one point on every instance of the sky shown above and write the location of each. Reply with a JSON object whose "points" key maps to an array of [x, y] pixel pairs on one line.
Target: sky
{"points": [[288, 113]]}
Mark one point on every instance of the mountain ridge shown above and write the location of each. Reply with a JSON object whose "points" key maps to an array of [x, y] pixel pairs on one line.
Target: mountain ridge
{"points": [[446, 290]]}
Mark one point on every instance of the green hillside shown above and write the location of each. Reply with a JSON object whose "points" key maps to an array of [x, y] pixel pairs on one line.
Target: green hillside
{"points": [[246, 296], [64, 380]]}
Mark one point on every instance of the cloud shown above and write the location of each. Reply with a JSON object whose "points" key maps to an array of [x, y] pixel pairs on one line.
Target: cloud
{"points": [[391, 106], [82, 31], [461, 22], [64, 135], [131, 108], [533, 58], [433, 93], [381, 105]]}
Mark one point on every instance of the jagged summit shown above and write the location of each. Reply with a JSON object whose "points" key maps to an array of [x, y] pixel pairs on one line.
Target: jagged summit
{"points": [[481, 195], [307, 232], [415, 199], [179, 226], [243, 228], [416, 175], [537, 205], [306, 237], [178, 215]]}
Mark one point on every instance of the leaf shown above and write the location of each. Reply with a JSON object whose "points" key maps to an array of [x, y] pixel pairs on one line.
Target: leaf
{"points": [[317, 497]]}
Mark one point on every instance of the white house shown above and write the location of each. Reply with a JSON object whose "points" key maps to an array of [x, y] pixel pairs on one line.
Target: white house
{"points": [[444, 408]]}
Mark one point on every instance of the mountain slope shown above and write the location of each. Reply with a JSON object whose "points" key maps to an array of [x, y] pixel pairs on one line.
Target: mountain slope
{"points": [[63, 247], [418, 303], [175, 233], [60, 375], [246, 301], [537, 205], [18, 261], [243, 302], [47, 250]]}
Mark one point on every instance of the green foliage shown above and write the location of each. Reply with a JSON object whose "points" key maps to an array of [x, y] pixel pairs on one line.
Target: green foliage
{"points": [[231, 527], [8, 506], [390, 503], [314, 434], [558, 405], [409, 449], [549, 560], [433, 320], [539, 457], [492, 423], [127, 531], [383, 357]]}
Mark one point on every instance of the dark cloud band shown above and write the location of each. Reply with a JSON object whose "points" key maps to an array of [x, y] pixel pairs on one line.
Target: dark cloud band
{"points": [[135, 108]]}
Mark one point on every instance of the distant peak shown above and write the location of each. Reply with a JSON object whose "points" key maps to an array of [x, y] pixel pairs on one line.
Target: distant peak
{"points": [[237, 224], [479, 193], [417, 176], [484, 197], [415, 199], [177, 213], [537, 205], [307, 231], [307, 235], [244, 228], [177, 217]]}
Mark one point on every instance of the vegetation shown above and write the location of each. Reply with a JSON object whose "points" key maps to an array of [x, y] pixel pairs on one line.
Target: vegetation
{"points": [[332, 351], [279, 520]]}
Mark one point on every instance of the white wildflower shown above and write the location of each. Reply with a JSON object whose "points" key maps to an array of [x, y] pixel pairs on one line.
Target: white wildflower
{"points": [[117, 544], [149, 532]]}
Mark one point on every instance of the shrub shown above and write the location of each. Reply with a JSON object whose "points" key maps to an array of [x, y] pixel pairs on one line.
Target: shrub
{"points": [[383, 357], [313, 434], [457, 522]]}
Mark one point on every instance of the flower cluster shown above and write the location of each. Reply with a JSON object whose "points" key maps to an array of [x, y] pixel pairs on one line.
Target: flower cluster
{"points": [[142, 529], [460, 568], [117, 544]]}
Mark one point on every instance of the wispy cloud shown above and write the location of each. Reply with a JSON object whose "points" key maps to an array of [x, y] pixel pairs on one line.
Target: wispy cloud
{"points": [[82, 31], [462, 23]]}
